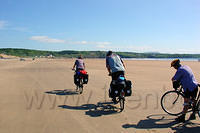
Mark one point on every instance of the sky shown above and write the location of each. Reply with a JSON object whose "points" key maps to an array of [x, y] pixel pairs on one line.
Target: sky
{"points": [[165, 26]]}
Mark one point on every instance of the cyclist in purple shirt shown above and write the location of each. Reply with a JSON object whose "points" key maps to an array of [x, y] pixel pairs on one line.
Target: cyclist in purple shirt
{"points": [[185, 77], [79, 64]]}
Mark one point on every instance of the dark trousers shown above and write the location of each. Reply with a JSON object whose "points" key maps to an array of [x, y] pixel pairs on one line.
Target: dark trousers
{"points": [[115, 75]]}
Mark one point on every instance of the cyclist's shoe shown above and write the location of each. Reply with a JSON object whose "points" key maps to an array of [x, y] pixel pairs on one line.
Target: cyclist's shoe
{"points": [[192, 116], [114, 100], [180, 118]]}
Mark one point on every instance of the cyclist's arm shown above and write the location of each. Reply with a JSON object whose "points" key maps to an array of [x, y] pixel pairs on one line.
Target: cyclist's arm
{"points": [[84, 65], [177, 76], [74, 65], [176, 79], [107, 66]]}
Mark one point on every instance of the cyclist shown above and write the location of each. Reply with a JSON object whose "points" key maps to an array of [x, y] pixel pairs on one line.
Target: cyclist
{"points": [[185, 77], [79, 64], [115, 67]]}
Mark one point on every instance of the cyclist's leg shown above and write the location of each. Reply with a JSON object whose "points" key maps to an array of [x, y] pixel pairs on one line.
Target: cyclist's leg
{"points": [[186, 104], [114, 75], [187, 99], [193, 96]]}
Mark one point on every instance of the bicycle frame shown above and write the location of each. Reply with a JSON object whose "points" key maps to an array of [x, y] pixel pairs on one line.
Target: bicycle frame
{"points": [[180, 90]]}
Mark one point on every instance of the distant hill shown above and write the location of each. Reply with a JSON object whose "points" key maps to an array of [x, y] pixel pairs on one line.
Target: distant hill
{"points": [[88, 54]]}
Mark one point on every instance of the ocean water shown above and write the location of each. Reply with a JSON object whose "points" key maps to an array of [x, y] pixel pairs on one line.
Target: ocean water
{"points": [[163, 59]]}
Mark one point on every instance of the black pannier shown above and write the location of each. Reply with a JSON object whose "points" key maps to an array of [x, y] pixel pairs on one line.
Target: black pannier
{"points": [[78, 76], [115, 88], [128, 88], [85, 78], [76, 79]]}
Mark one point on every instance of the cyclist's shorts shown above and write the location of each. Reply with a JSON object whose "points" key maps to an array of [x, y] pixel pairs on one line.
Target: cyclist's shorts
{"points": [[191, 94]]}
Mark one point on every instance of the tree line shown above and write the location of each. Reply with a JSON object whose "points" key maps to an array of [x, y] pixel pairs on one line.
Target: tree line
{"points": [[88, 54]]}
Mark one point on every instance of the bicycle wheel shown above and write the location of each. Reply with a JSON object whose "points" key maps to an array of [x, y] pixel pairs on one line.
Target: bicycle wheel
{"points": [[172, 102], [77, 88], [121, 102], [198, 108], [81, 87]]}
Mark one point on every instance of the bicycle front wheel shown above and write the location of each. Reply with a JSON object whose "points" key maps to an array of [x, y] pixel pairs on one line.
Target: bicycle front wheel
{"points": [[172, 102], [198, 108]]}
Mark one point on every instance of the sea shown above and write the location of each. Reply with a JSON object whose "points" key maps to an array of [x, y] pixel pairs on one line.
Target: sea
{"points": [[164, 59]]}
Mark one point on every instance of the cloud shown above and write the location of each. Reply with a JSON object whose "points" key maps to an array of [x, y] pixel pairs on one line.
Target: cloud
{"points": [[103, 43], [46, 39], [90, 42], [2, 24], [101, 46]]}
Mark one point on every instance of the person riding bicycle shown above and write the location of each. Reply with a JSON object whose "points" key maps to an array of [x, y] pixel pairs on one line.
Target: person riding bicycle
{"points": [[79, 64], [185, 77], [115, 67]]}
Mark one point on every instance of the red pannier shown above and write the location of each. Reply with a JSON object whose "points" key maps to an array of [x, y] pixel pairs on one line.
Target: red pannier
{"points": [[84, 74]]}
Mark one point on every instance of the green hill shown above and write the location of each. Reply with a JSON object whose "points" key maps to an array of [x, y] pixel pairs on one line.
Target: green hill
{"points": [[89, 54]]}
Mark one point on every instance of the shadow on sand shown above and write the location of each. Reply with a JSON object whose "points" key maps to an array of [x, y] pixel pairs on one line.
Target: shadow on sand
{"points": [[161, 121], [63, 92], [95, 110]]}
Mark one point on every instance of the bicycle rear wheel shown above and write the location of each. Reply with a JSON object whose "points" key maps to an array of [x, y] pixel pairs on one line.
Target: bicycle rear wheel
{"points": [[172, 102], [81, 87], [121, 102], [198, 108]]}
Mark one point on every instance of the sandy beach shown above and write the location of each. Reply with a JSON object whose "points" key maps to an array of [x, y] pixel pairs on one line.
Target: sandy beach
{"points": [[38, 96]]}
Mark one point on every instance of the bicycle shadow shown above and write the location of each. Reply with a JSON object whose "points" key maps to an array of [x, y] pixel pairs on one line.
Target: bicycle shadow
{"points": [[82, 107], [63, 92], [94, 110], [102, 108], [163, 122]]}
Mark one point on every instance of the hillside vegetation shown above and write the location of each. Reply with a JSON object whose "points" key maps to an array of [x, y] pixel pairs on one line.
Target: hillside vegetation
{"points": [[88, 54]]}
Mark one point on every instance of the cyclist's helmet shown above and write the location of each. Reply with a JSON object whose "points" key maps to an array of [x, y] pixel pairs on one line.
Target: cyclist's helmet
{"points": [[175, 62]]}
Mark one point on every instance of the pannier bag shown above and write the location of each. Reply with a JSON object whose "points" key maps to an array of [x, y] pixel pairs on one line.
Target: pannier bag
{"points": [[128, 88], [81, 74], [85, 78], [76, 79], [116, 86]]}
